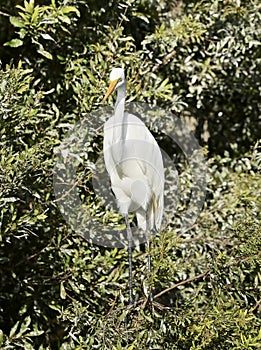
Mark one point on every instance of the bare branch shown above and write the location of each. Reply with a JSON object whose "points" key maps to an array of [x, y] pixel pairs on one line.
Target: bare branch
{"points": [[181, 283]]}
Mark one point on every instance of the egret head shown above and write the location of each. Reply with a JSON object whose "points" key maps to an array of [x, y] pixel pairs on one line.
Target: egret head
{"points": [[117, 74], [117, 79]]}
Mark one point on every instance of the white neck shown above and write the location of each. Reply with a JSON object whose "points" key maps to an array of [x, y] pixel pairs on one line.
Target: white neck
{"points": [[119, 130]]}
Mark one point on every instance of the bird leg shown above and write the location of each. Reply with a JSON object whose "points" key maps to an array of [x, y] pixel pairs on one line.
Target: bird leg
{"points": [[149, 268], [129, 237], [148, 237]]}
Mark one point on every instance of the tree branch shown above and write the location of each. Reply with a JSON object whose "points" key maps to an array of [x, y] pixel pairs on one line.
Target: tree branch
{"points": [[181, 283]]}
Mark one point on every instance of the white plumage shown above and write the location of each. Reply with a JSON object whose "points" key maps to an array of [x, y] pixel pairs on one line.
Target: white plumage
{"points": [[134, 163]]}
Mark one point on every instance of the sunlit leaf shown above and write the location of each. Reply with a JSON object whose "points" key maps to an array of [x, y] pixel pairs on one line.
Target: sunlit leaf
{"points": [[14, 43], [15, 21], [45, 53]]}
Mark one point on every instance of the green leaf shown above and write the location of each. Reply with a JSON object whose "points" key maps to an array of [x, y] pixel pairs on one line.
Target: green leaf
{"points": [[24, 326], [29, 6], [13, 330], [1, 337], [65, 19], [41, 216], [45, 54], [68, 9], [8, 199], [47, 37], [35, 333], [14, 43], [54, 307], [35, 14], [62, 291], [16, 22]]}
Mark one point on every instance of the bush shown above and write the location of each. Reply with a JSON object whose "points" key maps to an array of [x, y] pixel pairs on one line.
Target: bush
{"points": [[198, 60]]}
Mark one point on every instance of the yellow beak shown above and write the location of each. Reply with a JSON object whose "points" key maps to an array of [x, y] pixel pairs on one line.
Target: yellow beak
{"points": [[110, 89]]}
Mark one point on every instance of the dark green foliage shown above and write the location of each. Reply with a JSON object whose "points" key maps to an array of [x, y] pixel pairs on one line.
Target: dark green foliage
{"points": [[201, 60]]}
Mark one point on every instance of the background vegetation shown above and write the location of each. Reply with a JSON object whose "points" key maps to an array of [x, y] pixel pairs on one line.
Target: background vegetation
{"points": [[198, 59]]}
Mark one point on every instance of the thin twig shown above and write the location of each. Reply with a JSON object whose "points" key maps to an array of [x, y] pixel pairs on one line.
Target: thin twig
{"points": [[164, 61], [204, 239], [256, 306], [181, 283]]}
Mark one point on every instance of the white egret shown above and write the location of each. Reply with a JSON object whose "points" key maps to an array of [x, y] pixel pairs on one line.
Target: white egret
{"points": [[134, 162]]}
